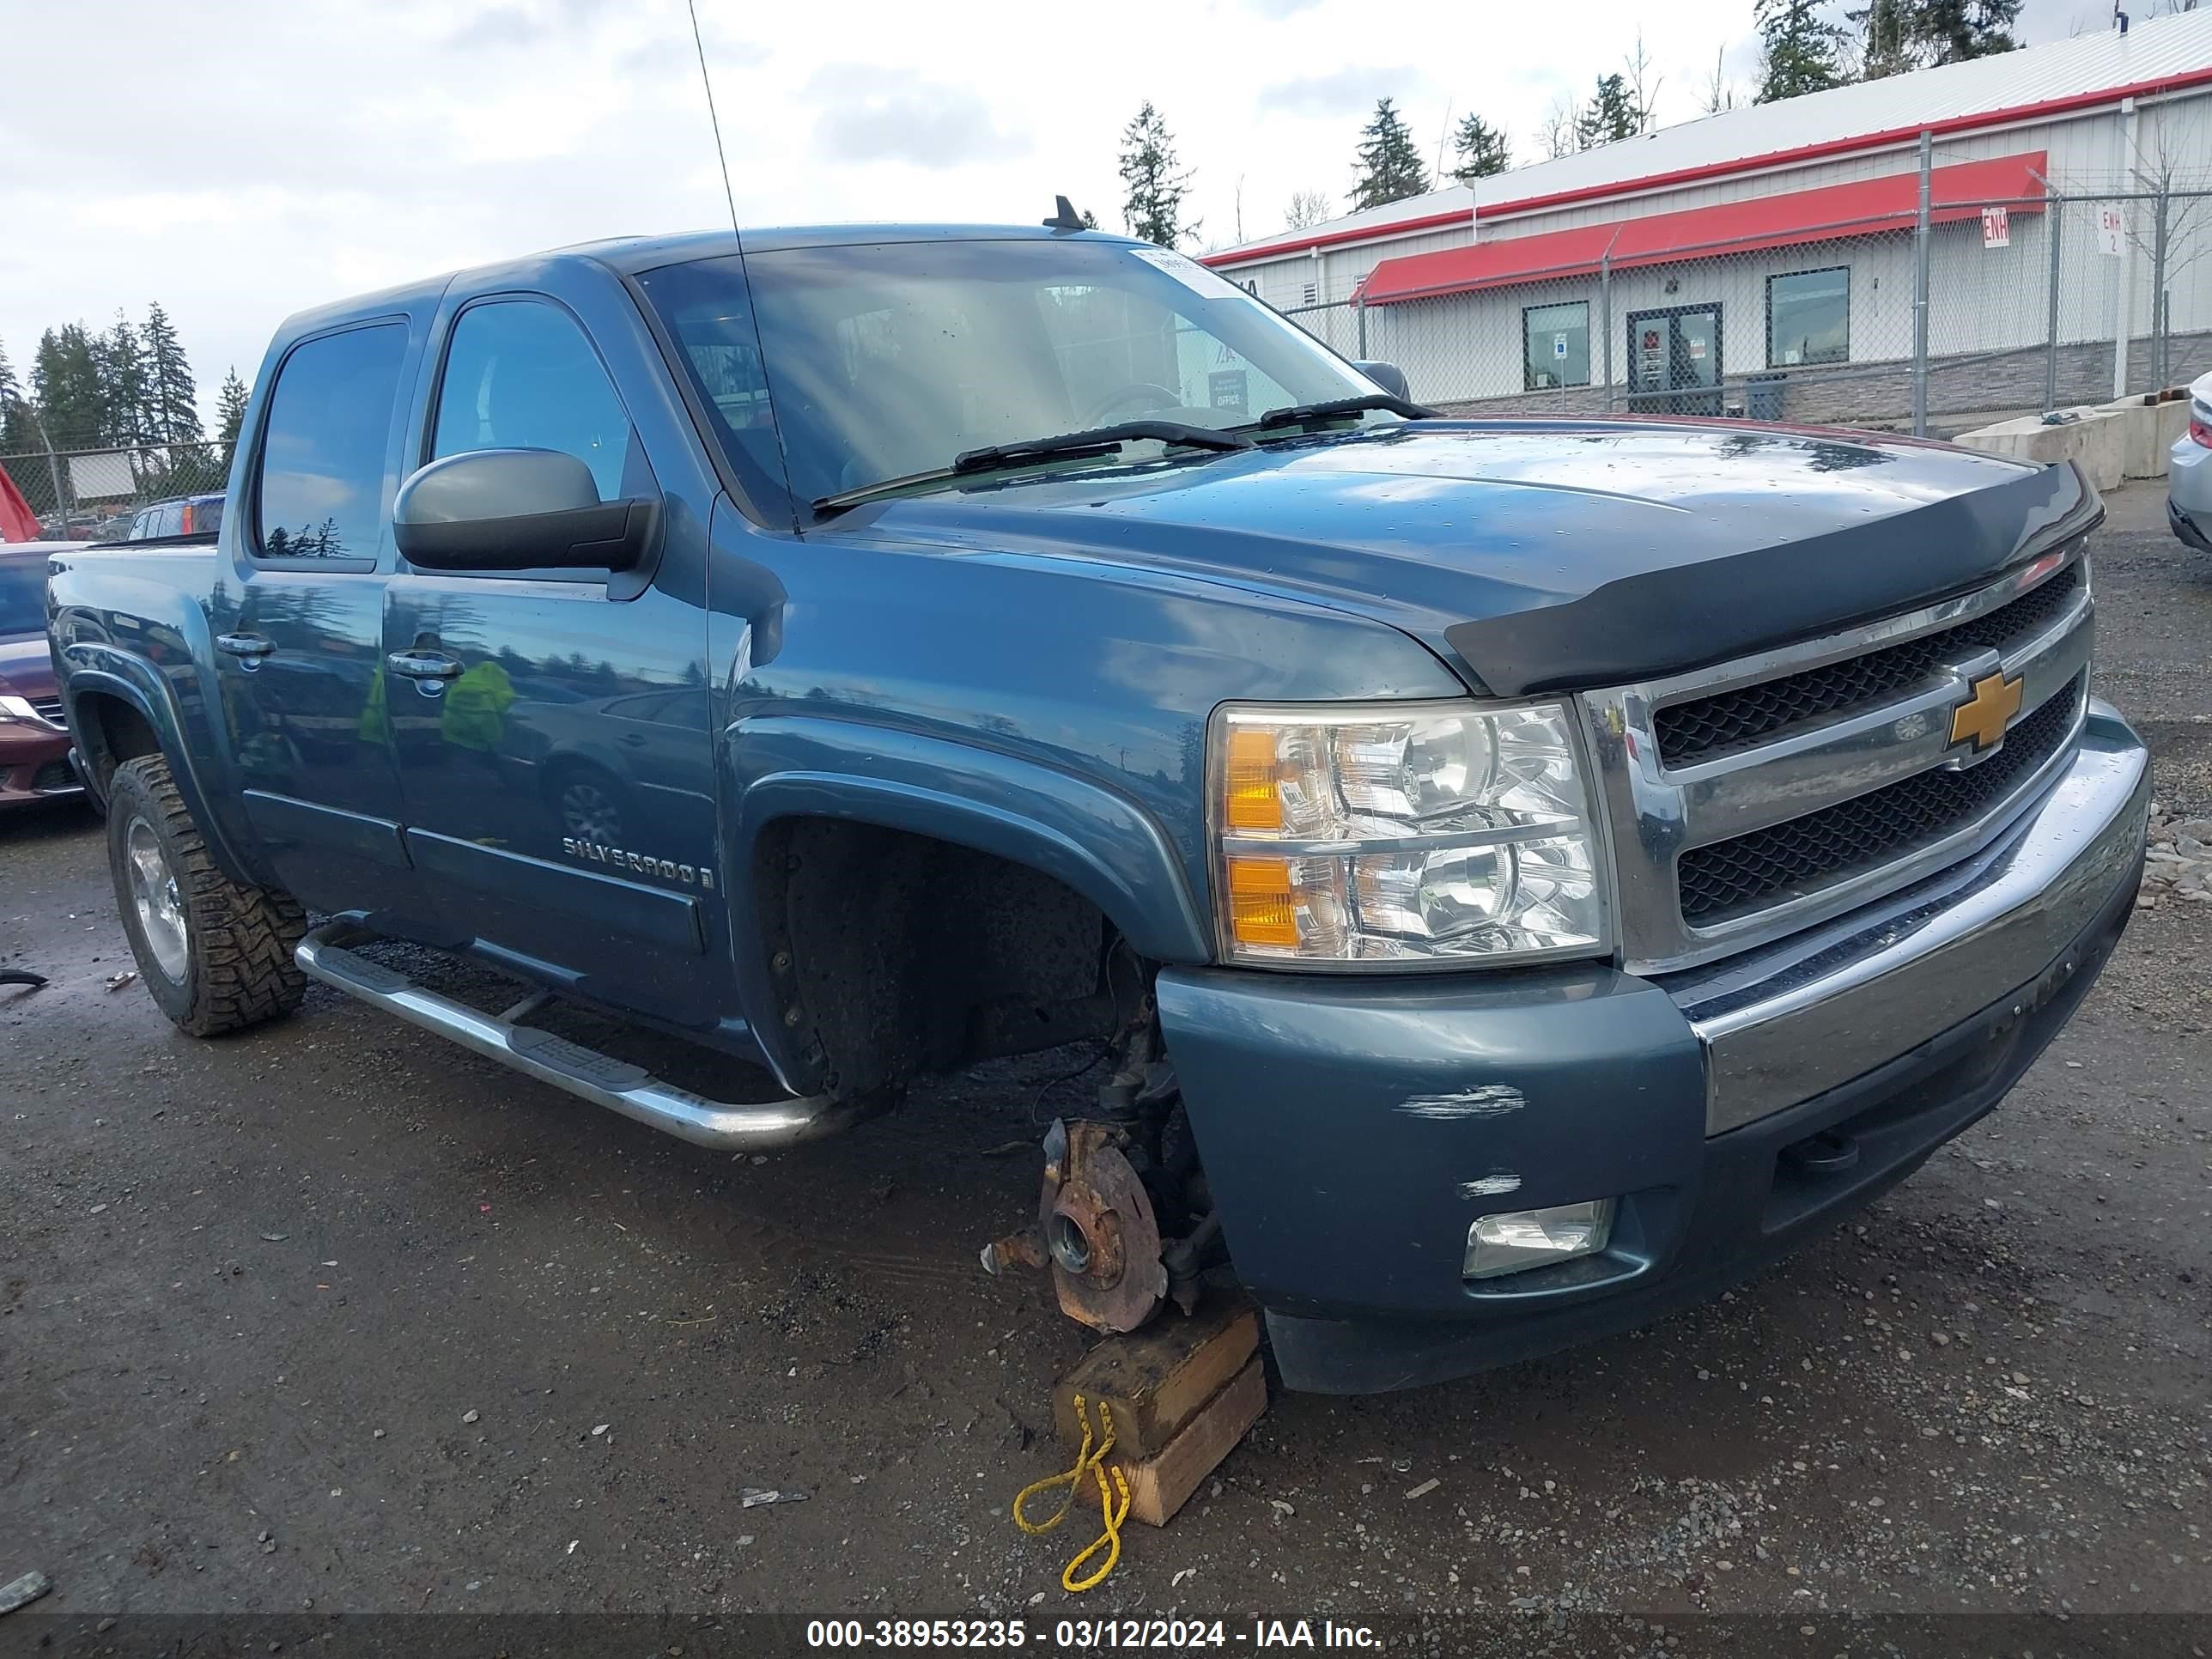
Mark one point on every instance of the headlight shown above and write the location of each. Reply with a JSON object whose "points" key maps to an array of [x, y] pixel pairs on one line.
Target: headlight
{"points": [[13, 708], [1404, 834]]}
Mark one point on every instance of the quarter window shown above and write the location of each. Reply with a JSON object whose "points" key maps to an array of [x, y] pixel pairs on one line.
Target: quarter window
{"points": [[1556, 341], [520, 374], [1809, 318], [320, 489]]}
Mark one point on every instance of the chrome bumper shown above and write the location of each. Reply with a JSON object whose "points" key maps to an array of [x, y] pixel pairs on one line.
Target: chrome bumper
{"points": [[1784, 1023]]}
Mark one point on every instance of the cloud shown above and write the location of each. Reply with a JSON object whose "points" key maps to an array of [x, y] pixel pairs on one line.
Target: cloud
{"points": [[876, 114], [1281, 7], [1351, 90], [503, 26]]}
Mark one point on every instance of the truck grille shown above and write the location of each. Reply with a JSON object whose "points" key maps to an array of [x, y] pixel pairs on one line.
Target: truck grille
{"points": [[1710, 727], [1749, 872], [1743, 809]]}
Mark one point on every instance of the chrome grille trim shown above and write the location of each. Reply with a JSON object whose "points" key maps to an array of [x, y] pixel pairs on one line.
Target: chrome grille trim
{"points": [[1655, 813]]}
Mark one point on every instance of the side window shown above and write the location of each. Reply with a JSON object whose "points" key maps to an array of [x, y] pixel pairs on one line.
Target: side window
{"points": [[320, 493], [520, 374], [171, 522]]}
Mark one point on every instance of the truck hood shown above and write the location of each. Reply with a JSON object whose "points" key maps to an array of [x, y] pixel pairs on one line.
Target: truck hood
{"points": [[1547, 556]]}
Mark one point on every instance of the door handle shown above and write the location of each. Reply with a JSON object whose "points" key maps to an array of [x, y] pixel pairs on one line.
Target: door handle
{"points": [[633, 739], [422, 665], [244, 645]]}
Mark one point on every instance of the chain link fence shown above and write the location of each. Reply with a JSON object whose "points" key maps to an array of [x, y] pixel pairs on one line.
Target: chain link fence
{"points": [[1988, 308], [97, 495]]}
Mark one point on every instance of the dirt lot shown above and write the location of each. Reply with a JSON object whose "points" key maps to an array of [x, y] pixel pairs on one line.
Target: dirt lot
{"points": [[332, 1317]]}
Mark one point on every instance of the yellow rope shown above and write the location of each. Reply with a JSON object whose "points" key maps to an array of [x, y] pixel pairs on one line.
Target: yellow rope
{"points": [[1094, 1461]]}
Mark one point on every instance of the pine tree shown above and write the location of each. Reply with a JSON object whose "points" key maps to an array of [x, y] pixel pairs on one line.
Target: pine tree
{"points": [[1797, 51], [1390, 167], [16, 432], [230, 413], [1152, 208], [172, 397], [126, 415], [1896, 35], [1611, 115], [1480, 150], [65, 386]]}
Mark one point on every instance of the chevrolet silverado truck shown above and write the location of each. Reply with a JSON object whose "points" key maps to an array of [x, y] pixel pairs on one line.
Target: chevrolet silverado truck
{"points": [[1516, 877]]}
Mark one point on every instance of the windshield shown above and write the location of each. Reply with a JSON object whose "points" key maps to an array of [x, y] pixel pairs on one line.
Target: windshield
{"points": [[892, 359], [22, 597]]}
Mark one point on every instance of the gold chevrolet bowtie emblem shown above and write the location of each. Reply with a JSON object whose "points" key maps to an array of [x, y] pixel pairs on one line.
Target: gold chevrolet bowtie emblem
{"points": [[1984, 715]]}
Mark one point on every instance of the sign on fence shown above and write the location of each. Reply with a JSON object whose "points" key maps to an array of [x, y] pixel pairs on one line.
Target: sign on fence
{"points": [[100, 477], [1996, 227], [2112, 227]]}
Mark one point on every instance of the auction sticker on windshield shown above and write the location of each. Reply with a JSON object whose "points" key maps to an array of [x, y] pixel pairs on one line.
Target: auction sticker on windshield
{"points": [[1191, 274]]}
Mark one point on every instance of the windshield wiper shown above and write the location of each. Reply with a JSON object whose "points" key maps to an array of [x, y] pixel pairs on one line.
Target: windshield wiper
{"points": [[1098, 440], [1300, 414]]}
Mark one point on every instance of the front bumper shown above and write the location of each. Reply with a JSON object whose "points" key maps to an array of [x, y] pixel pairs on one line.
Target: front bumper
{"points": [[34, 765], [1353, 1130]]}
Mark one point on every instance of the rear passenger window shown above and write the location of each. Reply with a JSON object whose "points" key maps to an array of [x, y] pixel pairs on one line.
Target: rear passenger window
{"points": [[520, 374], [321, 487]]}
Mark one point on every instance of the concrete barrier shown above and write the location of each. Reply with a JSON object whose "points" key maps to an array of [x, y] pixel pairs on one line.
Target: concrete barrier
{"points": [[2125, 439]]}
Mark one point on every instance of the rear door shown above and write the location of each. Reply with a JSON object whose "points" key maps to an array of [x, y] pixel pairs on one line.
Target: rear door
{"points": [[298, 616], [550, 726]]}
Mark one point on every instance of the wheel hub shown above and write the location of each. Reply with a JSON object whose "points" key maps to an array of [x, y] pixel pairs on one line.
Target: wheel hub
{"points": [[155, 897]]}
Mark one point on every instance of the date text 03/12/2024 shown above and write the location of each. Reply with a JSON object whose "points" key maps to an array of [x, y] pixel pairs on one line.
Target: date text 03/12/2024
{"points": [[1088, 1635]]}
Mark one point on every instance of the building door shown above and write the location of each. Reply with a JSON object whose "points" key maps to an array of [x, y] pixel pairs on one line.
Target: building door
{"points": [[1675, 360]]}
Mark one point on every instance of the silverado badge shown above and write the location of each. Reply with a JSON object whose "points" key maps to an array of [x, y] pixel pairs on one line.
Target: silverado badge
{"points": [[1984, 715]]}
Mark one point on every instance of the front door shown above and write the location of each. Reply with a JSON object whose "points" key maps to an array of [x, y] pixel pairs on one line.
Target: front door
{"points": [[1675, 360], [551, 726]]}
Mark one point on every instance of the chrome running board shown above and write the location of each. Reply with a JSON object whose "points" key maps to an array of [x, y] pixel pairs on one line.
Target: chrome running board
{"points": [[584, 1073]]}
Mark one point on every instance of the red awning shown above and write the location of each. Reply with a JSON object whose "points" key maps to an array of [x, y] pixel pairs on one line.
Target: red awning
{"points": [[1828, 214]]}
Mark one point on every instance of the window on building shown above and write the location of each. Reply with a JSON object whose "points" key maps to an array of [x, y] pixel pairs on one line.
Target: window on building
{"points": [[1557, 345], [1809, 318], [321, 486]]}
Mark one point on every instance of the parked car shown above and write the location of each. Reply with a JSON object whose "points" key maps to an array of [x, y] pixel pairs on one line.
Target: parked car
{"points": [[2188, 471], [180, 516], [1520, 876], [34, 740]]}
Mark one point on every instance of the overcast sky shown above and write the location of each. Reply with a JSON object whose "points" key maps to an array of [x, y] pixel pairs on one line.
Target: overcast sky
{"points": [[238, 161]]}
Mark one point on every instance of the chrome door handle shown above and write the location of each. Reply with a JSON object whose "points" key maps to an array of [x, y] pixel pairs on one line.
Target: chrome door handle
{"points": [[422, 665], [244, 645]]}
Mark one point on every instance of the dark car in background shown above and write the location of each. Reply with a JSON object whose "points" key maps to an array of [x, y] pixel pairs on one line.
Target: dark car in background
{"points": [[180, 516], [34, 741]]}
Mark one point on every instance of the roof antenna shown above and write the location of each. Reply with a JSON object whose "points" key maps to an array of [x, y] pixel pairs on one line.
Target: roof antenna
{"points": [[715, 121], [1064, 217]]}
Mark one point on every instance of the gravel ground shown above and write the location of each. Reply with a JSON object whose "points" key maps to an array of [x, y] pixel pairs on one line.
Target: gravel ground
{"points": [[331, 1316]]}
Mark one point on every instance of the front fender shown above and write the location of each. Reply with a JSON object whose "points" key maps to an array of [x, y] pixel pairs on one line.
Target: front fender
{"points": [[1091, 838]]}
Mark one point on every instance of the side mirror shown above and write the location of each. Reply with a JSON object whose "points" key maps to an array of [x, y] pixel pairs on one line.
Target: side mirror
{"points": [[517, 509], [1389, 377]]}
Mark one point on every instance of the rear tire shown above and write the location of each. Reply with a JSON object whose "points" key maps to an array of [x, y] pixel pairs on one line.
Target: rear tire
{"points": [[216, 955]]}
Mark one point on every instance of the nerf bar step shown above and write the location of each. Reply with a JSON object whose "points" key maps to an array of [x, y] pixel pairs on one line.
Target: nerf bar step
{"points": [[584, 1073]]}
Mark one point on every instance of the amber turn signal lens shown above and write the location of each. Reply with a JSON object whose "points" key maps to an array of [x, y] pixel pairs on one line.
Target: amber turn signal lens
{"points": [[1253, 801], [1262, 908]]}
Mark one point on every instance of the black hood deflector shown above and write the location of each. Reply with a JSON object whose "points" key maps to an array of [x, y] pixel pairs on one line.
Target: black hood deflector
{"points": [[1679, 617]]}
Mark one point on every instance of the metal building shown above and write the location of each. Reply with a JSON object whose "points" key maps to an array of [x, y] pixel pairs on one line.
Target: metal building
{"points": [[1777, 260]]}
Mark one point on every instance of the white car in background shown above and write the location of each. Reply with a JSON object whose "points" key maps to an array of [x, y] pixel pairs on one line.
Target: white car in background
{"points": [[2188, 471]]}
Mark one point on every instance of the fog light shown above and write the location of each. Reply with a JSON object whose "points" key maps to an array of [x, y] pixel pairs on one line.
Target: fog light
{"points": [[1517, 1240]]}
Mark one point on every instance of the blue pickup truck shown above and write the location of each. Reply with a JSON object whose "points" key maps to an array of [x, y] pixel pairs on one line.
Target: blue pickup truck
{"points": [[1520, 876]]}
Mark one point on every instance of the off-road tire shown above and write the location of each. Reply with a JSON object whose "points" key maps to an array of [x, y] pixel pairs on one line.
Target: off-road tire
{"points": [[238, 968]]}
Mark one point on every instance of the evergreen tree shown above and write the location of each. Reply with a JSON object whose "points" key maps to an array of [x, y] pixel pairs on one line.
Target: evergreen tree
{"points": [[1390, 167], [119, 358], [230, 413], [173, 399], [1797, 51], [65, 384], [16, 431], [1611, 115], [1152, 208], [1896, 35], [1480, 150]]}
